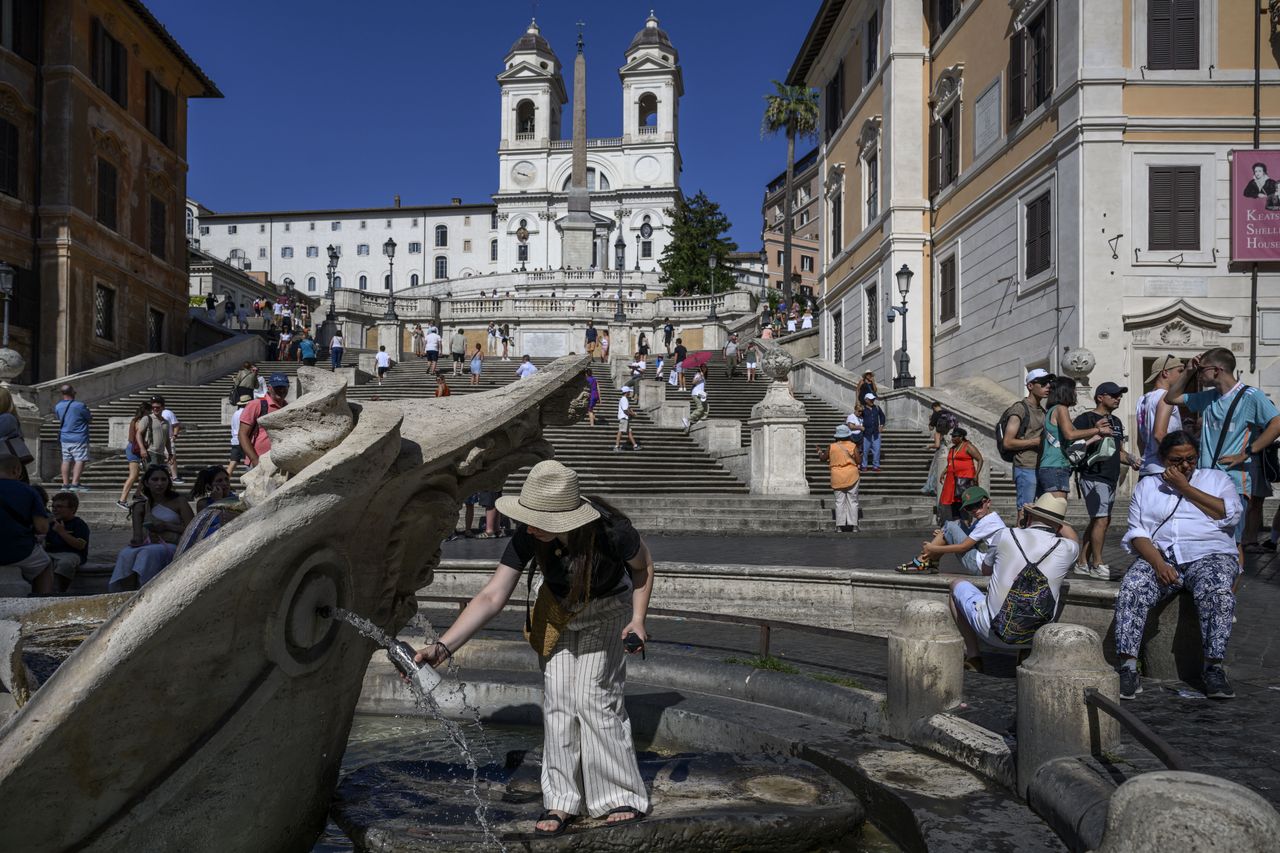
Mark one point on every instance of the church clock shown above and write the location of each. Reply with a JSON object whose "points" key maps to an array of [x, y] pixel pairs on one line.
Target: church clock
{"points": [[524, 173]]}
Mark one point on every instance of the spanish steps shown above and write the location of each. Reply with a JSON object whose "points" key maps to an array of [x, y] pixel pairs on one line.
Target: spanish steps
{"points": [[670, 484]]}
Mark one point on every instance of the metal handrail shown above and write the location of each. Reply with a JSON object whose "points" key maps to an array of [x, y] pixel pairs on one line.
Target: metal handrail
{"points": [[765, 626], [1155, 744]]}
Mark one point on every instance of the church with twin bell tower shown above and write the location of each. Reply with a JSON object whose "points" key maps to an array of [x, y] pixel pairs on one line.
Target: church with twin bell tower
{"points": [[561, 202]]}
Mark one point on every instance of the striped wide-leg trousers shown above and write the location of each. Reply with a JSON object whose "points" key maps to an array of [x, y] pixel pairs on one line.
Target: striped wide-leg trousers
{"points": [[588, 757]]}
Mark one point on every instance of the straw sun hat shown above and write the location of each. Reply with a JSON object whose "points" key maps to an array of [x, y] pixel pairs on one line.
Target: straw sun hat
{"points": [[549, 500]]}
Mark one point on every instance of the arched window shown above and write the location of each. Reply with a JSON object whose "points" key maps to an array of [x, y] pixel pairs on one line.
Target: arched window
{"points": [[191, 222], [648, 113], [337, 281], [413, 280], [593, 178], [442, 267], [311, 283], [525, 118], [442, 236], [364, 282], [386, 281]]}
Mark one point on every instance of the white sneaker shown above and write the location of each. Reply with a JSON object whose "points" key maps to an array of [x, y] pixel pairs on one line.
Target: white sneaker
{"points": [[1101, 571], [685, 421]]}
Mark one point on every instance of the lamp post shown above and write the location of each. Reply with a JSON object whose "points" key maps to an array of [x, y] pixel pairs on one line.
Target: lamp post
{"points": [[711, 278], [6, 293], [764, 274], [904, 379], [638, 253], [620, 255], [389, 249], [331, 318]]}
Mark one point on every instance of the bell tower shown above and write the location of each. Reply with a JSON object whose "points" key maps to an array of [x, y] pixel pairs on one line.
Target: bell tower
{"points": [[533, 93], [652, 85]]}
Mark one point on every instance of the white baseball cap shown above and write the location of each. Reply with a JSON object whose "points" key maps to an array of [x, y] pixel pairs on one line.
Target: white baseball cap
{"points": [[626, 389], [1037, 373], [868, 396]]}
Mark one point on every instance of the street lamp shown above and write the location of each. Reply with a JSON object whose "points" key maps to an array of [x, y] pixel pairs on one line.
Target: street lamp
{"points": [[389, 249], [6, 293], [331, 318], [711, 276], [638, 253], [904, 379], [620, 256]]}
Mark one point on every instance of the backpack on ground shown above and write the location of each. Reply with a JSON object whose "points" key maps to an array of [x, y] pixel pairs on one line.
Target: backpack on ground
{"points": [[1030, 604], [1023, 411]]}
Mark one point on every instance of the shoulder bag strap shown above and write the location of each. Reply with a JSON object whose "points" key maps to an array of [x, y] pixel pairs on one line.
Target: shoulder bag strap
{"points": [[1034, 564], [1226, 422], [1177, 504], [1048, 421]]}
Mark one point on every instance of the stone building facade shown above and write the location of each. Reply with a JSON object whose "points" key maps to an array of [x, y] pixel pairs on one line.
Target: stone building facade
{"points": [[93, 126], [633, 180], [806, 217], [1054, 173]]}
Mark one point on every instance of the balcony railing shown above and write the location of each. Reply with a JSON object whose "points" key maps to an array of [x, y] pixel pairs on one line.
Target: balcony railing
{"points": [[524, 137], [605, 142], [647, 130]]}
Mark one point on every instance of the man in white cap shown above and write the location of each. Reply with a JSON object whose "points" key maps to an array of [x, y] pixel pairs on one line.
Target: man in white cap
{"points": [[1156, 418], [1029, 562], [1020, 429], [591, 606], [873, 421], [624, 421]]}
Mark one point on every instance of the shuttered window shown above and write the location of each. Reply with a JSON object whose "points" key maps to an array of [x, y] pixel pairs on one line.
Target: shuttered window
{"points": [[835, 101], [8, 158], [110, 65], [947, 290], [1173, 208], [160, 111], [159, 232], [944, 152], [1039, 231], [872, 48], [837, 337], [1031, 65], [1173, 34]]}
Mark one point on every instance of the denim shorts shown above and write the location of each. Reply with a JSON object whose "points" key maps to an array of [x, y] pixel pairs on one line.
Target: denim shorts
{"points": [[130, 456], [1052, 480]]}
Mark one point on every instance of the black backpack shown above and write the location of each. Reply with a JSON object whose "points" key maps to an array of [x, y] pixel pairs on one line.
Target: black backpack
{"points": [[1003, 424]]}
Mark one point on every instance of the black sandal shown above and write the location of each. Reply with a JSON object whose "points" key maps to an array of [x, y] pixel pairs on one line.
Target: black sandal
{"points": [[562, 823], [636, 815]]}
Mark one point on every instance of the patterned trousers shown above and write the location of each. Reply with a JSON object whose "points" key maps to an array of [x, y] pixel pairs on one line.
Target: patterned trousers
{"points": [[587, 753], [1208, 580]]}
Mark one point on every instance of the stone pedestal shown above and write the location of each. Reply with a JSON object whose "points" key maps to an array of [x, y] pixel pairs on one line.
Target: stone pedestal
{"points": [[777, 426], [714, 335], [718, 436], [368, 363], [1053, 720], [621, 343], [652, 393], [350, 375], [391, 336], [118, 430], [926, 665], [1176, 810]]}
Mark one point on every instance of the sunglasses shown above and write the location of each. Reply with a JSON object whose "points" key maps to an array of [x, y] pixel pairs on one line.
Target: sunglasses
{"points": [[1181, 460]]}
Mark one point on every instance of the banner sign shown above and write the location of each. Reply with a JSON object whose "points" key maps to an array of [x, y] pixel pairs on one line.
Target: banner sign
{"points": [[1255, 205]]}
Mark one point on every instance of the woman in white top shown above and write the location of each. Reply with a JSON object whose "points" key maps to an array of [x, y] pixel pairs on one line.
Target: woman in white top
{"points": [[1181, 527], [336, 346]]}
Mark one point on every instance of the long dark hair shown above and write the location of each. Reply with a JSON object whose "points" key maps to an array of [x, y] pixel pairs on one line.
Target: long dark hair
{"points": [[204, 481], [580, 545], [1062, 391], [169, 494]]}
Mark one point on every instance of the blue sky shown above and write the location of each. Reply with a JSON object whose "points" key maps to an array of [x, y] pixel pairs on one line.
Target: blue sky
{"points": [[333, 104]]}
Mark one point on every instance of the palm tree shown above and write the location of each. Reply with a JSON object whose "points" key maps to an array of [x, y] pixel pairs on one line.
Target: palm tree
{"points": [[792, 110]]}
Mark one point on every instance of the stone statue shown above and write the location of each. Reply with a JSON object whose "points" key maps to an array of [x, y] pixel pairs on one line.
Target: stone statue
{"points": [[212, 710]]}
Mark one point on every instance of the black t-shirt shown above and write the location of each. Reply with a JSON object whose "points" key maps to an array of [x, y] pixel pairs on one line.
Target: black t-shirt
{"points": [[54, 543], [682, 352], [616, 543], [1102, 459], [668, 330]]}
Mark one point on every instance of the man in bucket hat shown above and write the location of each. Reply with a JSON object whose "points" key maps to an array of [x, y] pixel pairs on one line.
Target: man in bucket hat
{"points": [[1026, 569], [843, 456], [597, 575]]}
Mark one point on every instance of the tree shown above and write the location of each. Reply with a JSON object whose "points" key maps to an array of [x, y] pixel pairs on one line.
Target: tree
{"points": [[697, 236], [792, 110]]}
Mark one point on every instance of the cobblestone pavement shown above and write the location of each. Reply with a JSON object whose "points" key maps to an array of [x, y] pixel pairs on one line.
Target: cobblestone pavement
{"points": [[1239, 739]]}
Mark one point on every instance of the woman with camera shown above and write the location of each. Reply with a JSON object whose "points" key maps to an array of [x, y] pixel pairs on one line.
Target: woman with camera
{"points": [[1181, 527], [597, 575]]}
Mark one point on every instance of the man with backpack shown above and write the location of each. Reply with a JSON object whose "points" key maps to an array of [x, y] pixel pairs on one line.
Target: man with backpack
{"points": [[1099, 476], [254, 440], [1026, 569], [1018, 434]]}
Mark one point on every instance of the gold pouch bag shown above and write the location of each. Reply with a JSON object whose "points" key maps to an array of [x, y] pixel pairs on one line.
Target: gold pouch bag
{"points": [[544, 624]]}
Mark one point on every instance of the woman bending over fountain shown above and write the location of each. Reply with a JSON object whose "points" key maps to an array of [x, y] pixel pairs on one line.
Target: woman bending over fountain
{"points": [[159, 515], [597, 575]]}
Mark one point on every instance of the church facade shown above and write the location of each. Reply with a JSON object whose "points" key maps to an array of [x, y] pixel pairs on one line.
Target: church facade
{"points": [[632, 180]]}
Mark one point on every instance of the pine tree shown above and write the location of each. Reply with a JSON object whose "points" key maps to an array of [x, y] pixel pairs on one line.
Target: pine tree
{"points": [[698, 234]]}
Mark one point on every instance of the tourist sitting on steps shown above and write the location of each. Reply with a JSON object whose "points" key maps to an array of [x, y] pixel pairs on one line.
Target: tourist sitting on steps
{"points": [[23, 518], [67, 542], [971, 537], [213, 484], [597, 577], [1182, 529], [158, 516], [1026, 570]]}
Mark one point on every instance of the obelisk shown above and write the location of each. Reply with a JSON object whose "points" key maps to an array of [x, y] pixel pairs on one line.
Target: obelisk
{"points": [[577, 229]]}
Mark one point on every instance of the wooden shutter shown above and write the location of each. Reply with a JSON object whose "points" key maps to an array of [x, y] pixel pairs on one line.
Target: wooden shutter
{"points": [[947, 289], [1173, 208], [1186, 34], [1017, 78], [1047, 63], [1159, 34], [1186, 207], [1039, 239], [1033, 238], [99, 57], [935, 157], [9, 157]]}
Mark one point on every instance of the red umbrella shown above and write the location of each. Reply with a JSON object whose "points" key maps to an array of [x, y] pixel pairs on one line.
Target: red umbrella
{"points": [[694, 360]]}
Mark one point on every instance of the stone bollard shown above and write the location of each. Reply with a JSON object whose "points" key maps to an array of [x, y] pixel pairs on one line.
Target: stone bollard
{"points": [[926, 665], [1053, 720], [1175, 810]]}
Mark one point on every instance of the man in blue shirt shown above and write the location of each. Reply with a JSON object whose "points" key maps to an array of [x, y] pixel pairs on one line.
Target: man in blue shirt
{"points": [[873, 420], [23, 518], [74, 418], [1232, 445]]}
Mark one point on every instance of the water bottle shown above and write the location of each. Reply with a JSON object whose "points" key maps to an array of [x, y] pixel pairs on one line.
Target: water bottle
{"points": [[401, 654]]}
